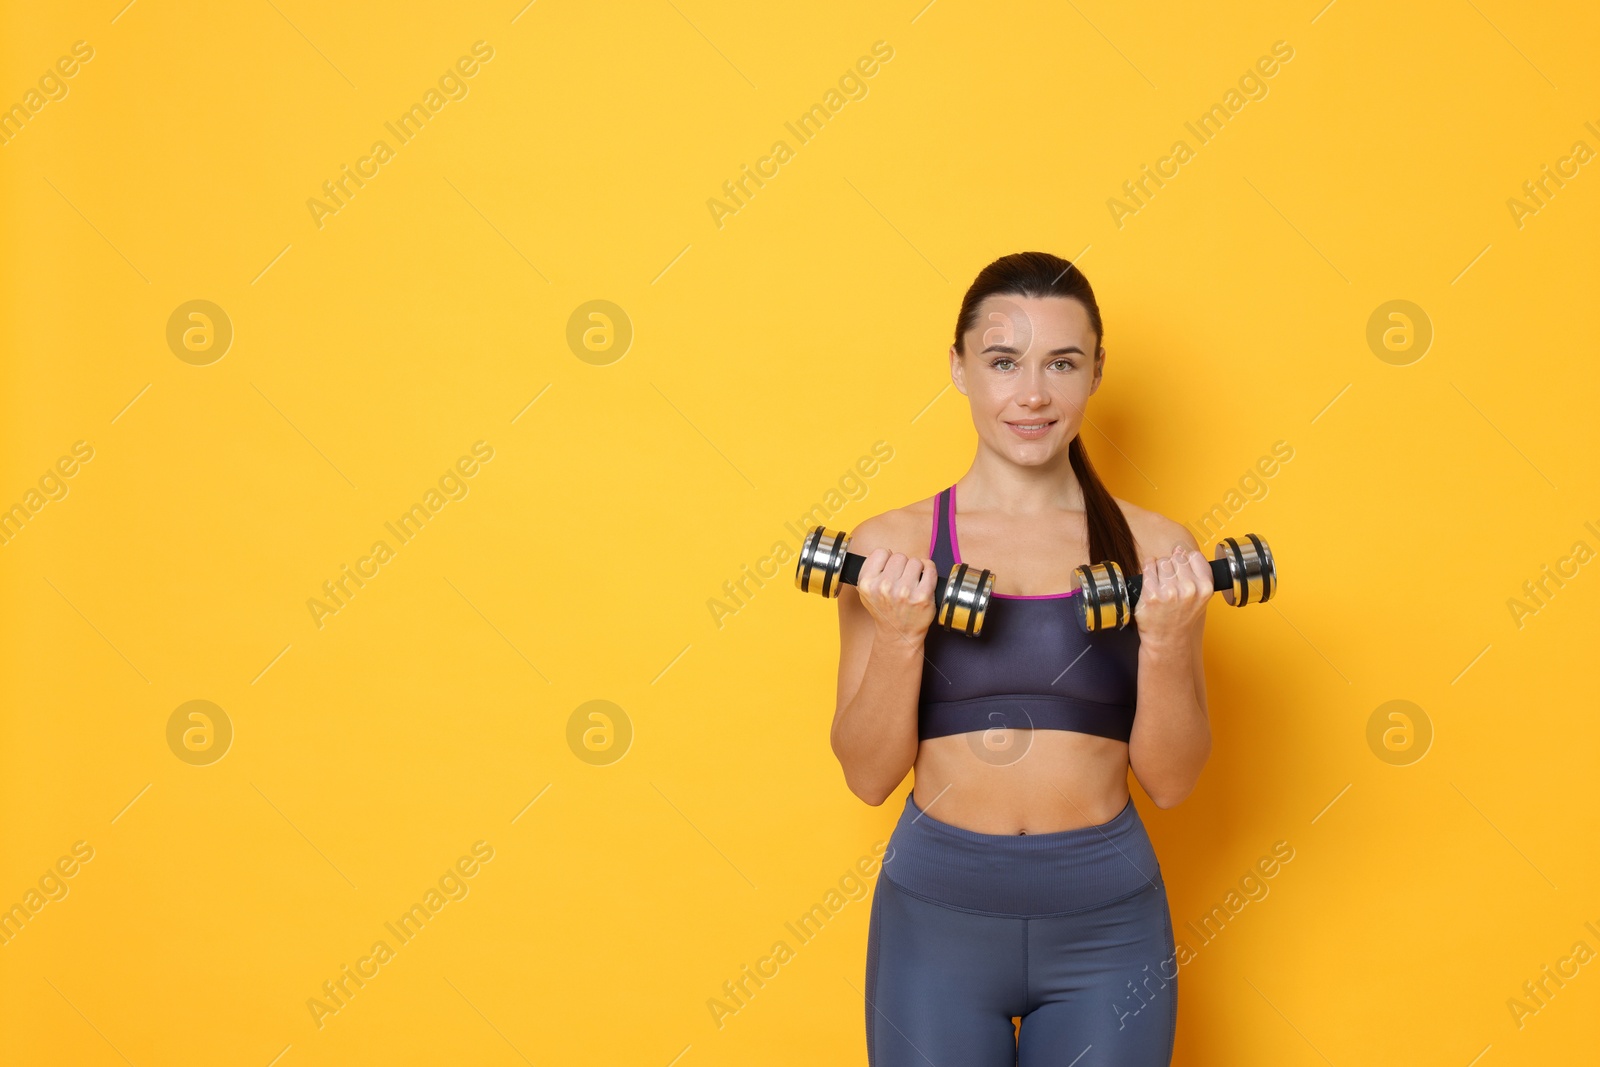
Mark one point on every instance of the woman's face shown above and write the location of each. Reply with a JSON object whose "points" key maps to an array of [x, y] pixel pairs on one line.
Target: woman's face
{"points": [[1031, 364]]}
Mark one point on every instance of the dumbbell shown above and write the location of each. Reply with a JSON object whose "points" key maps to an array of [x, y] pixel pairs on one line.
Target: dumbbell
{"points": [[825, 566], [1242, 573]]}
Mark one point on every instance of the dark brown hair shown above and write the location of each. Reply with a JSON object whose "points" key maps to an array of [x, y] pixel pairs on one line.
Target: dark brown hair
{"points": [[1039, 274]]}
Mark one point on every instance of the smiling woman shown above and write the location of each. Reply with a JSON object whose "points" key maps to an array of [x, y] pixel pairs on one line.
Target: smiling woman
{"points": [[1032, 892]]}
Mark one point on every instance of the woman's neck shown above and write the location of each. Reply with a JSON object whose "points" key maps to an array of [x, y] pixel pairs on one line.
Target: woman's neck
{"points": [[994, 483]]}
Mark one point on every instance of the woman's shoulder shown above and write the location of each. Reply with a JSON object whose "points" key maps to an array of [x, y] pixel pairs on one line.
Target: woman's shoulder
{"points": [[907, 529], [1153, 532]]}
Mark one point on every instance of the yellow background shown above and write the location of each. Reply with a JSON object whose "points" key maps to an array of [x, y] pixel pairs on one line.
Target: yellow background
{"points": [[768, 355]]}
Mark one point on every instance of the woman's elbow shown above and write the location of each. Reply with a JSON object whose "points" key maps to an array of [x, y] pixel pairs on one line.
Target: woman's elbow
{"points": [[869, 783], [869, 792], [1170, 797], [865, 791], [873, 797], [1175, 791], [872, 793]]}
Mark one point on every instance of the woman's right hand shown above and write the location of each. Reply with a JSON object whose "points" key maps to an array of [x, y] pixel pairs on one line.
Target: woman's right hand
{"points": [[898, 592]]}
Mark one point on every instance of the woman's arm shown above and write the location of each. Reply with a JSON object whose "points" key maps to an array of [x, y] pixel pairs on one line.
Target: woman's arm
{"points": [[1171, 737], [881, 630]]}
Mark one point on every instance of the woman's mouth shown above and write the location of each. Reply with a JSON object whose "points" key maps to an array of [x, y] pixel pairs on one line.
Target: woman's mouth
{"points": [[1033, 429]]}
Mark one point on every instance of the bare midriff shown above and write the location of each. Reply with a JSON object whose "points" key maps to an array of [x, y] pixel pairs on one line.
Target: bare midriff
{"points": [[1021, 781]]}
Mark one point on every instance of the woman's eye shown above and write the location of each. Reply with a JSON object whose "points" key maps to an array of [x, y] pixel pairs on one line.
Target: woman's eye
{"points": [[1005, 363]]}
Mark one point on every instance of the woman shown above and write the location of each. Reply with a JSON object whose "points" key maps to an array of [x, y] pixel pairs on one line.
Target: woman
{"points": [[1019, 882]]}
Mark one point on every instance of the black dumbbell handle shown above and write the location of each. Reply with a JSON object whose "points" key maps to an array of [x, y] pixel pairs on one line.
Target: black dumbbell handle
{"points": [[852, 570], [1221, 578]]}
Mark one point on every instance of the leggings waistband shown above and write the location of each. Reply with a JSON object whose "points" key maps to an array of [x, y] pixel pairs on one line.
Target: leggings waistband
{"points": [[1020, 875]]}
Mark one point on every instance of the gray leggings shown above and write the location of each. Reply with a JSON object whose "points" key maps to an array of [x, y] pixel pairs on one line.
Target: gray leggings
{"points": [[1068, 931]]}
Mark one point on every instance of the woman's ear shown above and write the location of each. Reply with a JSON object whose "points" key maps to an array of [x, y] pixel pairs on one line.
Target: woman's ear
{"points": [[958, 371]]}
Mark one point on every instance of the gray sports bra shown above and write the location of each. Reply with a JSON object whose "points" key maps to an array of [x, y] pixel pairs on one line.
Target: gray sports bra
{"points": [[1031, 667]]}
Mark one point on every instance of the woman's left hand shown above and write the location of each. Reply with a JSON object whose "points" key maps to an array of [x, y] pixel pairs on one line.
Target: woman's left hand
{"points": [[1173, 596]]}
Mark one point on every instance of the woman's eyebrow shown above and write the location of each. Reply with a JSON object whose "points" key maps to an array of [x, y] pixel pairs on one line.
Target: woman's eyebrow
{"points": [[1008, 350]]}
